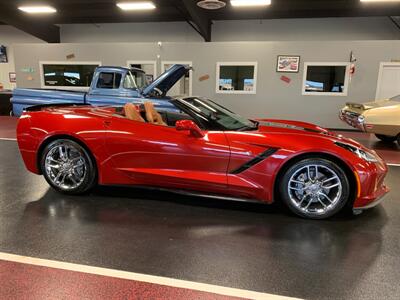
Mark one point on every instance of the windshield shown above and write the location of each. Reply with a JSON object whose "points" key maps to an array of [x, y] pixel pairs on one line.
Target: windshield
{"points": [[396, 98], [218, 114], [135, 80]]}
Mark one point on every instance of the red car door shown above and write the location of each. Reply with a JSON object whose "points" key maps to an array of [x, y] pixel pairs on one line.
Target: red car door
{"points": [[147, 154]]}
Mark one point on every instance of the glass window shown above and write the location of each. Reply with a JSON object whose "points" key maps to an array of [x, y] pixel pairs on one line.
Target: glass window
{"points": [[109, 80], [135, 80], [68, 75], [217, 113], [236, 78], [182, 87], [328, 79], [149, 68]]}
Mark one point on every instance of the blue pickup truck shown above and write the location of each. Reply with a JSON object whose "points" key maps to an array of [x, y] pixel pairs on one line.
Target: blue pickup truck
{"points": [[110, 86]]}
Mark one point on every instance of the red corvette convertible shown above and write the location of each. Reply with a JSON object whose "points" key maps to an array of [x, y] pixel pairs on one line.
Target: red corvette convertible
{"points": [[201, 148]]}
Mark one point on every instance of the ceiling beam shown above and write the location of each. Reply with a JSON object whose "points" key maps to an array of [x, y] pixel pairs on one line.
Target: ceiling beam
{"points": [[45, 31], [396, 21], [197, 19]]}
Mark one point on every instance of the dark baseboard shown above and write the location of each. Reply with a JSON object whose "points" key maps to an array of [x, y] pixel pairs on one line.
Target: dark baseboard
{"points": [[347, 130]]}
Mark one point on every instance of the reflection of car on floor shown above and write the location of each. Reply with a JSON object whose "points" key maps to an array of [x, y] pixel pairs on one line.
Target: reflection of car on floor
{"points": [[381, 118], [204, 149]]}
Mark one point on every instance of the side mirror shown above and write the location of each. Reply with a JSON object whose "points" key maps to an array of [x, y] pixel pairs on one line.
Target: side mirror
{"points": [[183, 125]]}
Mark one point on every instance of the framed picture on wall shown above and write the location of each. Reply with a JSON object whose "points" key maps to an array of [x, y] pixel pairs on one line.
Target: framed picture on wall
{"points": [[288, 64], [3, 54], [13, 77]]}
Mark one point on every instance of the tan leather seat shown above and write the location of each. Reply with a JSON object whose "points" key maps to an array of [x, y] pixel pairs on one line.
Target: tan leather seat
{"points": [[132, 113], [152, 115]]}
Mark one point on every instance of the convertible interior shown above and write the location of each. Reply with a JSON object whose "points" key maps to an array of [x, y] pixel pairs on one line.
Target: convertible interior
{"points": [[147, 113]]}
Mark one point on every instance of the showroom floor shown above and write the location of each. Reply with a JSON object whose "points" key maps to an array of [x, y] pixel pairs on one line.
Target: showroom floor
{"points": [[222, 244]]}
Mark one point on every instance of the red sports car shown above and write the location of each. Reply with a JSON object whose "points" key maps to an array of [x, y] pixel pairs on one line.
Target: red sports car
{"points": [[201, 148]]}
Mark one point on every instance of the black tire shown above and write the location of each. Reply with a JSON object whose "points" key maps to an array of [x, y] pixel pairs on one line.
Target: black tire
{"points": [[398, 139], [386, 138], [88, 178], [289, 193]]}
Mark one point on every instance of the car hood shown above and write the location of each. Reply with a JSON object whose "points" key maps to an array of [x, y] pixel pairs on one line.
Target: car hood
{"points": [[271, 130], [167, 80], [372, 104]]}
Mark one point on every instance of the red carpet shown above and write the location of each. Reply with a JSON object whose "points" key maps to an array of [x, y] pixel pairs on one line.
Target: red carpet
{"points": [[7, 127], [24, 281]]}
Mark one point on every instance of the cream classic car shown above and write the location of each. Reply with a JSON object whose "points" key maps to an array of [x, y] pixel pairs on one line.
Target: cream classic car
{"points": [[381, 118]]}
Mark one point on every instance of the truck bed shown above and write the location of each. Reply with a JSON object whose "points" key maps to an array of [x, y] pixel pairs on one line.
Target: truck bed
{"points": [[29, 97]]}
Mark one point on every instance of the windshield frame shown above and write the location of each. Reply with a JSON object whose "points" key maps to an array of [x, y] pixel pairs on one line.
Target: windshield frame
{"points": [[133, 79], [206, 122]]}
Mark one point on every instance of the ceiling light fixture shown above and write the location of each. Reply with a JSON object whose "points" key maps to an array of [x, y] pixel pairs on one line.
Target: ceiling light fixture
{"points": [[243, 3], [38, 9], [211, 4], [380, 0], [143, 5]]}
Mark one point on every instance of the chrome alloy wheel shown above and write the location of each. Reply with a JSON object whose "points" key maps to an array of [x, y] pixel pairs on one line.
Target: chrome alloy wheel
{"points": [[65, 166], [315, 189]]}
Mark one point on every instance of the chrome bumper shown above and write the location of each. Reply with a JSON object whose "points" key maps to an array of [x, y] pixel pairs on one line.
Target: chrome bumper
{"points": [[351, 118]]}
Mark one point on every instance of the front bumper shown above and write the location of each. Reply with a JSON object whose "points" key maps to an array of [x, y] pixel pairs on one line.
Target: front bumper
{"points": [[372, 187], [375, 199], [351, 118]]}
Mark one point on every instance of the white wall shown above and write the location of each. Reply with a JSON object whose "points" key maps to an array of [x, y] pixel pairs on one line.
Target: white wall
{"points": [[327, 29], [129, 32], [274, 98], [8, 37]]}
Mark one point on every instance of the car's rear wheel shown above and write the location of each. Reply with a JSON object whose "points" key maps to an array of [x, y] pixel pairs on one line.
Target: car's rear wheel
{"points": [[315, 188], [68, 167], [386, 138]]}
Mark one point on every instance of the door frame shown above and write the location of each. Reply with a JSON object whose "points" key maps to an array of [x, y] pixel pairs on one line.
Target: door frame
{"points": [[169, 62], [382, 65], [144, 62]]}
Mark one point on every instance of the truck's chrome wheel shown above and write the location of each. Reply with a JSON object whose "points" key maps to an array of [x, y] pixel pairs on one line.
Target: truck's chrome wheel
{"points": [[315, 189], [65, 166]]}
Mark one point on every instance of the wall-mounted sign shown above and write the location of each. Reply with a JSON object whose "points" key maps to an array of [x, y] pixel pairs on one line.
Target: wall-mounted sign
{"points": [[28, 70], [70, 56], [286, 79], [3, 54], [13, 77], [204, 77], [288, 64]]}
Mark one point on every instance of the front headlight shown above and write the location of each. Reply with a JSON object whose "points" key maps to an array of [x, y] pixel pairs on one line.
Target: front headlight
{"points": [[361, 119], [367, 156]]}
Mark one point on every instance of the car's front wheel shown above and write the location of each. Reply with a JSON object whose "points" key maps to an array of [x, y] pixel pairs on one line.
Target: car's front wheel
{"points": [[68, 167], [386, 138], [315, 188]]}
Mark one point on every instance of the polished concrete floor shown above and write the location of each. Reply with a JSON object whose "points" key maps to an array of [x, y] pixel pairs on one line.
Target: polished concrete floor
{"points": [[247, 246]]}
